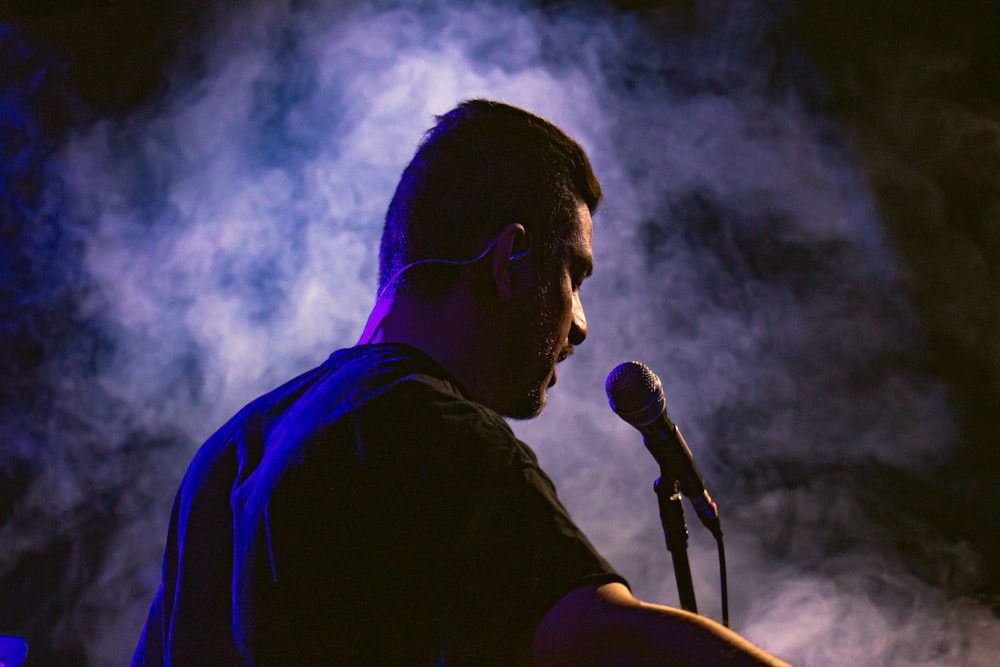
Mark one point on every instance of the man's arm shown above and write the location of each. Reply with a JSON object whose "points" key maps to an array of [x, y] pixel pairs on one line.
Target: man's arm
{"points": [[605, 625]]}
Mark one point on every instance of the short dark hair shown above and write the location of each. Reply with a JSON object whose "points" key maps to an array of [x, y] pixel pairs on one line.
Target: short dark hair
{"points": [[483, 166]]}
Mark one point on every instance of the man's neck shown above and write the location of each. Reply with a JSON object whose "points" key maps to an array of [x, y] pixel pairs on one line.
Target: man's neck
{"points": [[452, 331]]}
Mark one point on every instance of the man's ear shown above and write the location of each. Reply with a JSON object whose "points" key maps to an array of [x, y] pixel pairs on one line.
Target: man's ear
{"points": [[511, 244]]}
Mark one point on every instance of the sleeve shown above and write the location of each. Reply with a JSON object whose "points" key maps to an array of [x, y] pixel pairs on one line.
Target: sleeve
{"points": [[509, 548]]}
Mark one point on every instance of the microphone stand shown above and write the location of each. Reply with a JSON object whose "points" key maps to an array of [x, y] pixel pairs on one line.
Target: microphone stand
{"points": [[676, 535]]}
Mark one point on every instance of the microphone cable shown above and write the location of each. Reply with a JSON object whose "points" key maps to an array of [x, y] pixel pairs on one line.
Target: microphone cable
{"points": [[723, 580]]}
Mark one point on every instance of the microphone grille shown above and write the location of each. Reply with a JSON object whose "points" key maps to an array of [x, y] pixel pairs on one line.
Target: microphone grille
{"points": [[635, 393]]}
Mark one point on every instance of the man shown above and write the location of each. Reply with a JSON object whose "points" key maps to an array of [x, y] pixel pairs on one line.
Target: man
{"points": [[378, 509]]}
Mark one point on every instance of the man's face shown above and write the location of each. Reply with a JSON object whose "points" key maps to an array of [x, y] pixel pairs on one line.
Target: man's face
{"points": [[551, 320]]}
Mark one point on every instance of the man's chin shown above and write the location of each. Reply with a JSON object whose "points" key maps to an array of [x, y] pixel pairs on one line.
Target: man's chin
{"points": [[530, 406]]}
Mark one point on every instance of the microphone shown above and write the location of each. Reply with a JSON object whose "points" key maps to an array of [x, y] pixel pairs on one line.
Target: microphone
{"points": [[636, 395]]}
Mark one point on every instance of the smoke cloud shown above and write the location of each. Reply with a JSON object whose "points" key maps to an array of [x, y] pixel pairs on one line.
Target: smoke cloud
{"points": [[224, 238]]}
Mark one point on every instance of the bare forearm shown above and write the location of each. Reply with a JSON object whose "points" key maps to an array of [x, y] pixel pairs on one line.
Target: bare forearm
{"points": [[655, 635], [608, 626]]}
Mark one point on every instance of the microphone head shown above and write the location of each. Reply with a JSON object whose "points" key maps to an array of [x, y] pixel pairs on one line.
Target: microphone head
{"points": [[635, 393]]}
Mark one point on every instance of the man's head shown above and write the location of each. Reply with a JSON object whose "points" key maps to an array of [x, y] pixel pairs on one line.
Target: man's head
{"points": [[508, 196], [483, 166]]}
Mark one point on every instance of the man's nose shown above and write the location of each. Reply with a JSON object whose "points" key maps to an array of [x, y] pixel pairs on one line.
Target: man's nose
{"points": [[578, 326]]}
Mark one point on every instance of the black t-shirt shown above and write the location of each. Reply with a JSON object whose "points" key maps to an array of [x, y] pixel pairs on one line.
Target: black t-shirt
{"points": [[364, 513]]}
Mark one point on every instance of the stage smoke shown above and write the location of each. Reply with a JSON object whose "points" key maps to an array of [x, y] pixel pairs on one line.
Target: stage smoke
{"points": [[198, 251]]}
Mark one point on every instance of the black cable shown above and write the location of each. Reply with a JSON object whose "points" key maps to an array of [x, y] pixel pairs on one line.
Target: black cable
{"points": [[723, 584]]}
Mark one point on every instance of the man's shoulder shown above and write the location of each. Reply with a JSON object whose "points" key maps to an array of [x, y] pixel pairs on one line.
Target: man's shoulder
{"points": [[394, 386], [349, 379], [355, 376]]}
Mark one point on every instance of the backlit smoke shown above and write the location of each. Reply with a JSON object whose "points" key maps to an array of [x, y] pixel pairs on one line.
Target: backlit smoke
{"points": [[228, 239]]}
